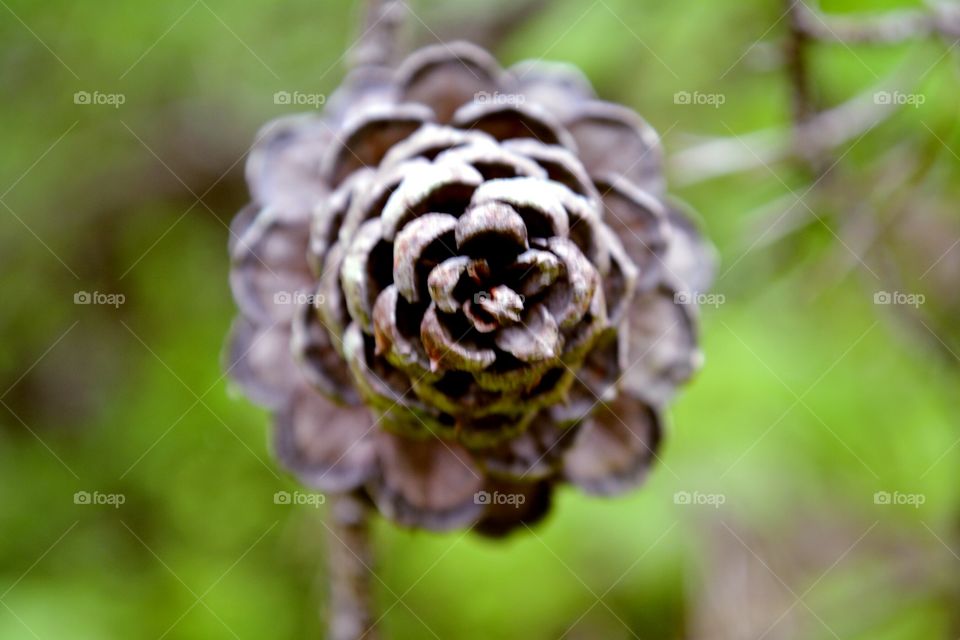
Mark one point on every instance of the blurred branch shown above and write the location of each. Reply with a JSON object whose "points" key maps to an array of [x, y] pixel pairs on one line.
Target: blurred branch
{"points": [[798, 72], [774, 221], [892, 27], [380, 38], [490, 27], [815, 133], [891, 189], [823, 132], [718, 157], [350, 558]]}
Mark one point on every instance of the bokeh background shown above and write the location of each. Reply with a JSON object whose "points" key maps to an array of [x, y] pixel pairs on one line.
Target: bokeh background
{"points": [[814, 398]]}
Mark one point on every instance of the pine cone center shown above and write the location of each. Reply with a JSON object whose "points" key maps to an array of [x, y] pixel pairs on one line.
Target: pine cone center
{"points": [[467, 264]]}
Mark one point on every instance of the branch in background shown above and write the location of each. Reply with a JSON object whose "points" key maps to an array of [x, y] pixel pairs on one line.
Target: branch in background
{"points": [[826, 131], [491, 26], [804, 107], [897, 26], [775, 220], [720, 157], [796, 61], [380, 39], [891, 188], [350, 559], [816, 133]]}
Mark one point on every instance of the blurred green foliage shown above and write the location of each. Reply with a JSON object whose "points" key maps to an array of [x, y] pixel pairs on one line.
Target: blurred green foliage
{"points": [[812, 399]]}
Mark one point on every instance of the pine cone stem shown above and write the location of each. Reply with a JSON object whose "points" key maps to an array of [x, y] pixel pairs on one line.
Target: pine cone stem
{"points": [[379, 41], [350, 557]]}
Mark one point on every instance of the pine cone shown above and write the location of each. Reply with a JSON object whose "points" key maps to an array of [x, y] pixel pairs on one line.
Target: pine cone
{"points": [[460, 285]]}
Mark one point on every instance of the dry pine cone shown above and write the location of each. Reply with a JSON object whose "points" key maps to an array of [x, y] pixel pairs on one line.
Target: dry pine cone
{"points": [[460, 285]]}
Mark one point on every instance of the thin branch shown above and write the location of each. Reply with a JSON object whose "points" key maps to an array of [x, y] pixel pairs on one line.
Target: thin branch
{"points": [[718, 157], [796, 61], [380, 40], [804, 107], [488, 24], [887, 28], [827, 130], [350, 559]]}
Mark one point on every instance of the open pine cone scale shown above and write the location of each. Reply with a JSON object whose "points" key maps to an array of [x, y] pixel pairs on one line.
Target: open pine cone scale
{"points": [[459, 283]]}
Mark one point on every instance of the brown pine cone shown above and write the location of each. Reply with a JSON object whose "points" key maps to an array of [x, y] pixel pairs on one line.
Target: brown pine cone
{"points": [[459, 285]]}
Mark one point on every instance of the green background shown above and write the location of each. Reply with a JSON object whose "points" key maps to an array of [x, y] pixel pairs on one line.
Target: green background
{"points": [[812, 399]]}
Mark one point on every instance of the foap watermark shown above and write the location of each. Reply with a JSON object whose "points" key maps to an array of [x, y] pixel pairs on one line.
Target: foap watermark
{"points": [[482, 296], [896, 498], [298, 298], [299, 498], [715, 100], [899, 298], [498, 498], [899, 98], [701, 299], [96, 297], [698, 498], [96, 498], [98, 98], [300, 99], [485, 97]]}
